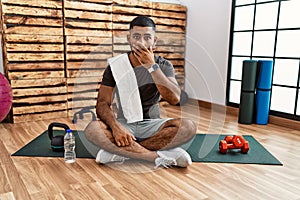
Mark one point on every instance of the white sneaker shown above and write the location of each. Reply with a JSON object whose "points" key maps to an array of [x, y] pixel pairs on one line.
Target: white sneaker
{"points": [[181, 157], [106, 157], [164, 162]]}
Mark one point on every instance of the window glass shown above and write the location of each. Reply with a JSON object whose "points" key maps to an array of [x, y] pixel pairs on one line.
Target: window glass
{"points": [[237, 67], [286, 72], [266, 16], [242, 43], [289, 14], [243, 2], [235, 91], [288, 43], [275, 36], [283, 99], [244, 18], [263, 44]]}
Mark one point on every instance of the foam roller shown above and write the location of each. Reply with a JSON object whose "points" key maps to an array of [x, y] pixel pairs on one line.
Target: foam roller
{"points": [[249, 75], [247, 99], [263, 92], [262, 106], [246, 111], [265, 74]]}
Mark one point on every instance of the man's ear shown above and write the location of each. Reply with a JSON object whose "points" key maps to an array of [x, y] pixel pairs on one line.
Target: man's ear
{"points": [[155, 41], [128, 38]]}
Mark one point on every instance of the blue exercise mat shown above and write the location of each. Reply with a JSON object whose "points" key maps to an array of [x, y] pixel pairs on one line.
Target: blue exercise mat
{"points": [[262, 106], [265, 74], [263, 92]]}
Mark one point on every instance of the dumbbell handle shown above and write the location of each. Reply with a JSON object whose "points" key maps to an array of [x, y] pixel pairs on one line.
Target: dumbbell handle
{"points": [[231, 146]]}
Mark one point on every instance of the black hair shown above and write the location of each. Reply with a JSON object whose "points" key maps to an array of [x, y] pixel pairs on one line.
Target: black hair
{"points": [[142, 21]]}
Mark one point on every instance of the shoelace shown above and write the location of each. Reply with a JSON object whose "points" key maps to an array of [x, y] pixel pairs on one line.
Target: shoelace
{"points": [[165, 162], [118, 159]]}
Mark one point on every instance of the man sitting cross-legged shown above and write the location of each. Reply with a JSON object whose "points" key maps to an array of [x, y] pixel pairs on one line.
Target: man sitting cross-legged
{"points": [[138, 79]]}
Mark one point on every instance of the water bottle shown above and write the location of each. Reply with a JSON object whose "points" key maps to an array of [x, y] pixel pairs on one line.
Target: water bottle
{"points": [[69, 145]]}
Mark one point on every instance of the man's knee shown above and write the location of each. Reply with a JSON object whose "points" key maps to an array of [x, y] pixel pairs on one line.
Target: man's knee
{"points": [[93, 128], [188, 127], [89, 130]]}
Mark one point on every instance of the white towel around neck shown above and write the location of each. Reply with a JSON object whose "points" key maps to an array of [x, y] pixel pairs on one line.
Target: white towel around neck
{"points": [[129, 96]]}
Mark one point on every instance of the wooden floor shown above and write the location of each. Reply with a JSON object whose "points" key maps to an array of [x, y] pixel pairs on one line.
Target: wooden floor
{"points": [[50, 178]]}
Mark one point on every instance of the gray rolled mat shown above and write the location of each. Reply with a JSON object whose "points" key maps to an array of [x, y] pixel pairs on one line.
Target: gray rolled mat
{"points": [[247, 105], [247, 99], [249, 75]]}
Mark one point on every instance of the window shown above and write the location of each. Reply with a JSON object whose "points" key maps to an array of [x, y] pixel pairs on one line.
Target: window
{"points": [[267, 30]]}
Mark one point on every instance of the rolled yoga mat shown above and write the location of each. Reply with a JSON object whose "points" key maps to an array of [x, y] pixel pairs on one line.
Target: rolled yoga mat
{"points": [[263, 91], [247, 108], [262, 106], [265, 74], [247, 98]]}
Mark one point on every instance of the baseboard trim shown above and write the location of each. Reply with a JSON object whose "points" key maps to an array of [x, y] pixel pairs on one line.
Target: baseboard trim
{"points": [[280, 121]]}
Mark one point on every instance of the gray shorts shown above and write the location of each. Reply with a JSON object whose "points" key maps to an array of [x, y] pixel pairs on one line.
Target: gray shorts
{"points": [[144, 129]]}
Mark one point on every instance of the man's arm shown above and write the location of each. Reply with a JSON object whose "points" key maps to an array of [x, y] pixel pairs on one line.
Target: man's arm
{"points": [[167, 86], [103, 109]]}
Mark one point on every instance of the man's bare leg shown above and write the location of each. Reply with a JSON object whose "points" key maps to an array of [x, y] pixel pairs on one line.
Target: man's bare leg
{"points": [[99, 134], [172, 134]]}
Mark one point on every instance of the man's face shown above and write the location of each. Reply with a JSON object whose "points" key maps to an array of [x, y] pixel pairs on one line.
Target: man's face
{"points": [[141, 35]]}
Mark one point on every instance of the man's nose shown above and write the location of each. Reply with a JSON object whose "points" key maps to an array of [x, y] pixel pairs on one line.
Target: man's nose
{"points": [[142, 41]]}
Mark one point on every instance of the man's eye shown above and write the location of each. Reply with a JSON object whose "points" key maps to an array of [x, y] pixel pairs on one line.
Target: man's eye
{"points": [[147, 38], [137, 37]]}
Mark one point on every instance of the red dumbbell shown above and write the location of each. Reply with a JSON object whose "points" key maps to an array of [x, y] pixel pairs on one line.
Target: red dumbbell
{"points": [[234, 142]]}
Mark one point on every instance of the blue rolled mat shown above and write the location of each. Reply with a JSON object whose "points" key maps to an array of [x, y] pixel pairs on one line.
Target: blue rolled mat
{"points": [[263, 92], [265, 74], [262, 106]]}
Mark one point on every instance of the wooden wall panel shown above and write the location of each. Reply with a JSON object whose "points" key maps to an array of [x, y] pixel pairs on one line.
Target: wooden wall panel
{"points": [[36, 69], [32, 17], [88, 30], [34, 58], [87, 18], [32, 97]]}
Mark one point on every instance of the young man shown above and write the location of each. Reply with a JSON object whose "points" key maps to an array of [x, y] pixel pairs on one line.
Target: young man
{"points": [[139, 79]]}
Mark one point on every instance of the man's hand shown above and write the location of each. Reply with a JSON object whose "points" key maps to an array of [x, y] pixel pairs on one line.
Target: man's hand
{"points": [[123, 137], [143, 54]]}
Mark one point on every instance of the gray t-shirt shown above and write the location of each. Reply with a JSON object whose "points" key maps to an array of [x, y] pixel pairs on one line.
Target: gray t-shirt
{"points": [[149, 93]]}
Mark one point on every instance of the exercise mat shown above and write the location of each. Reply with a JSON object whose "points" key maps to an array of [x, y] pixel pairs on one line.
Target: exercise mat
{"points": [[246, 108], [202, 148], [205, 148], [263, 92], [262, 106], [265, 74], [247, 98], [249, 75], [40, 146]]}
